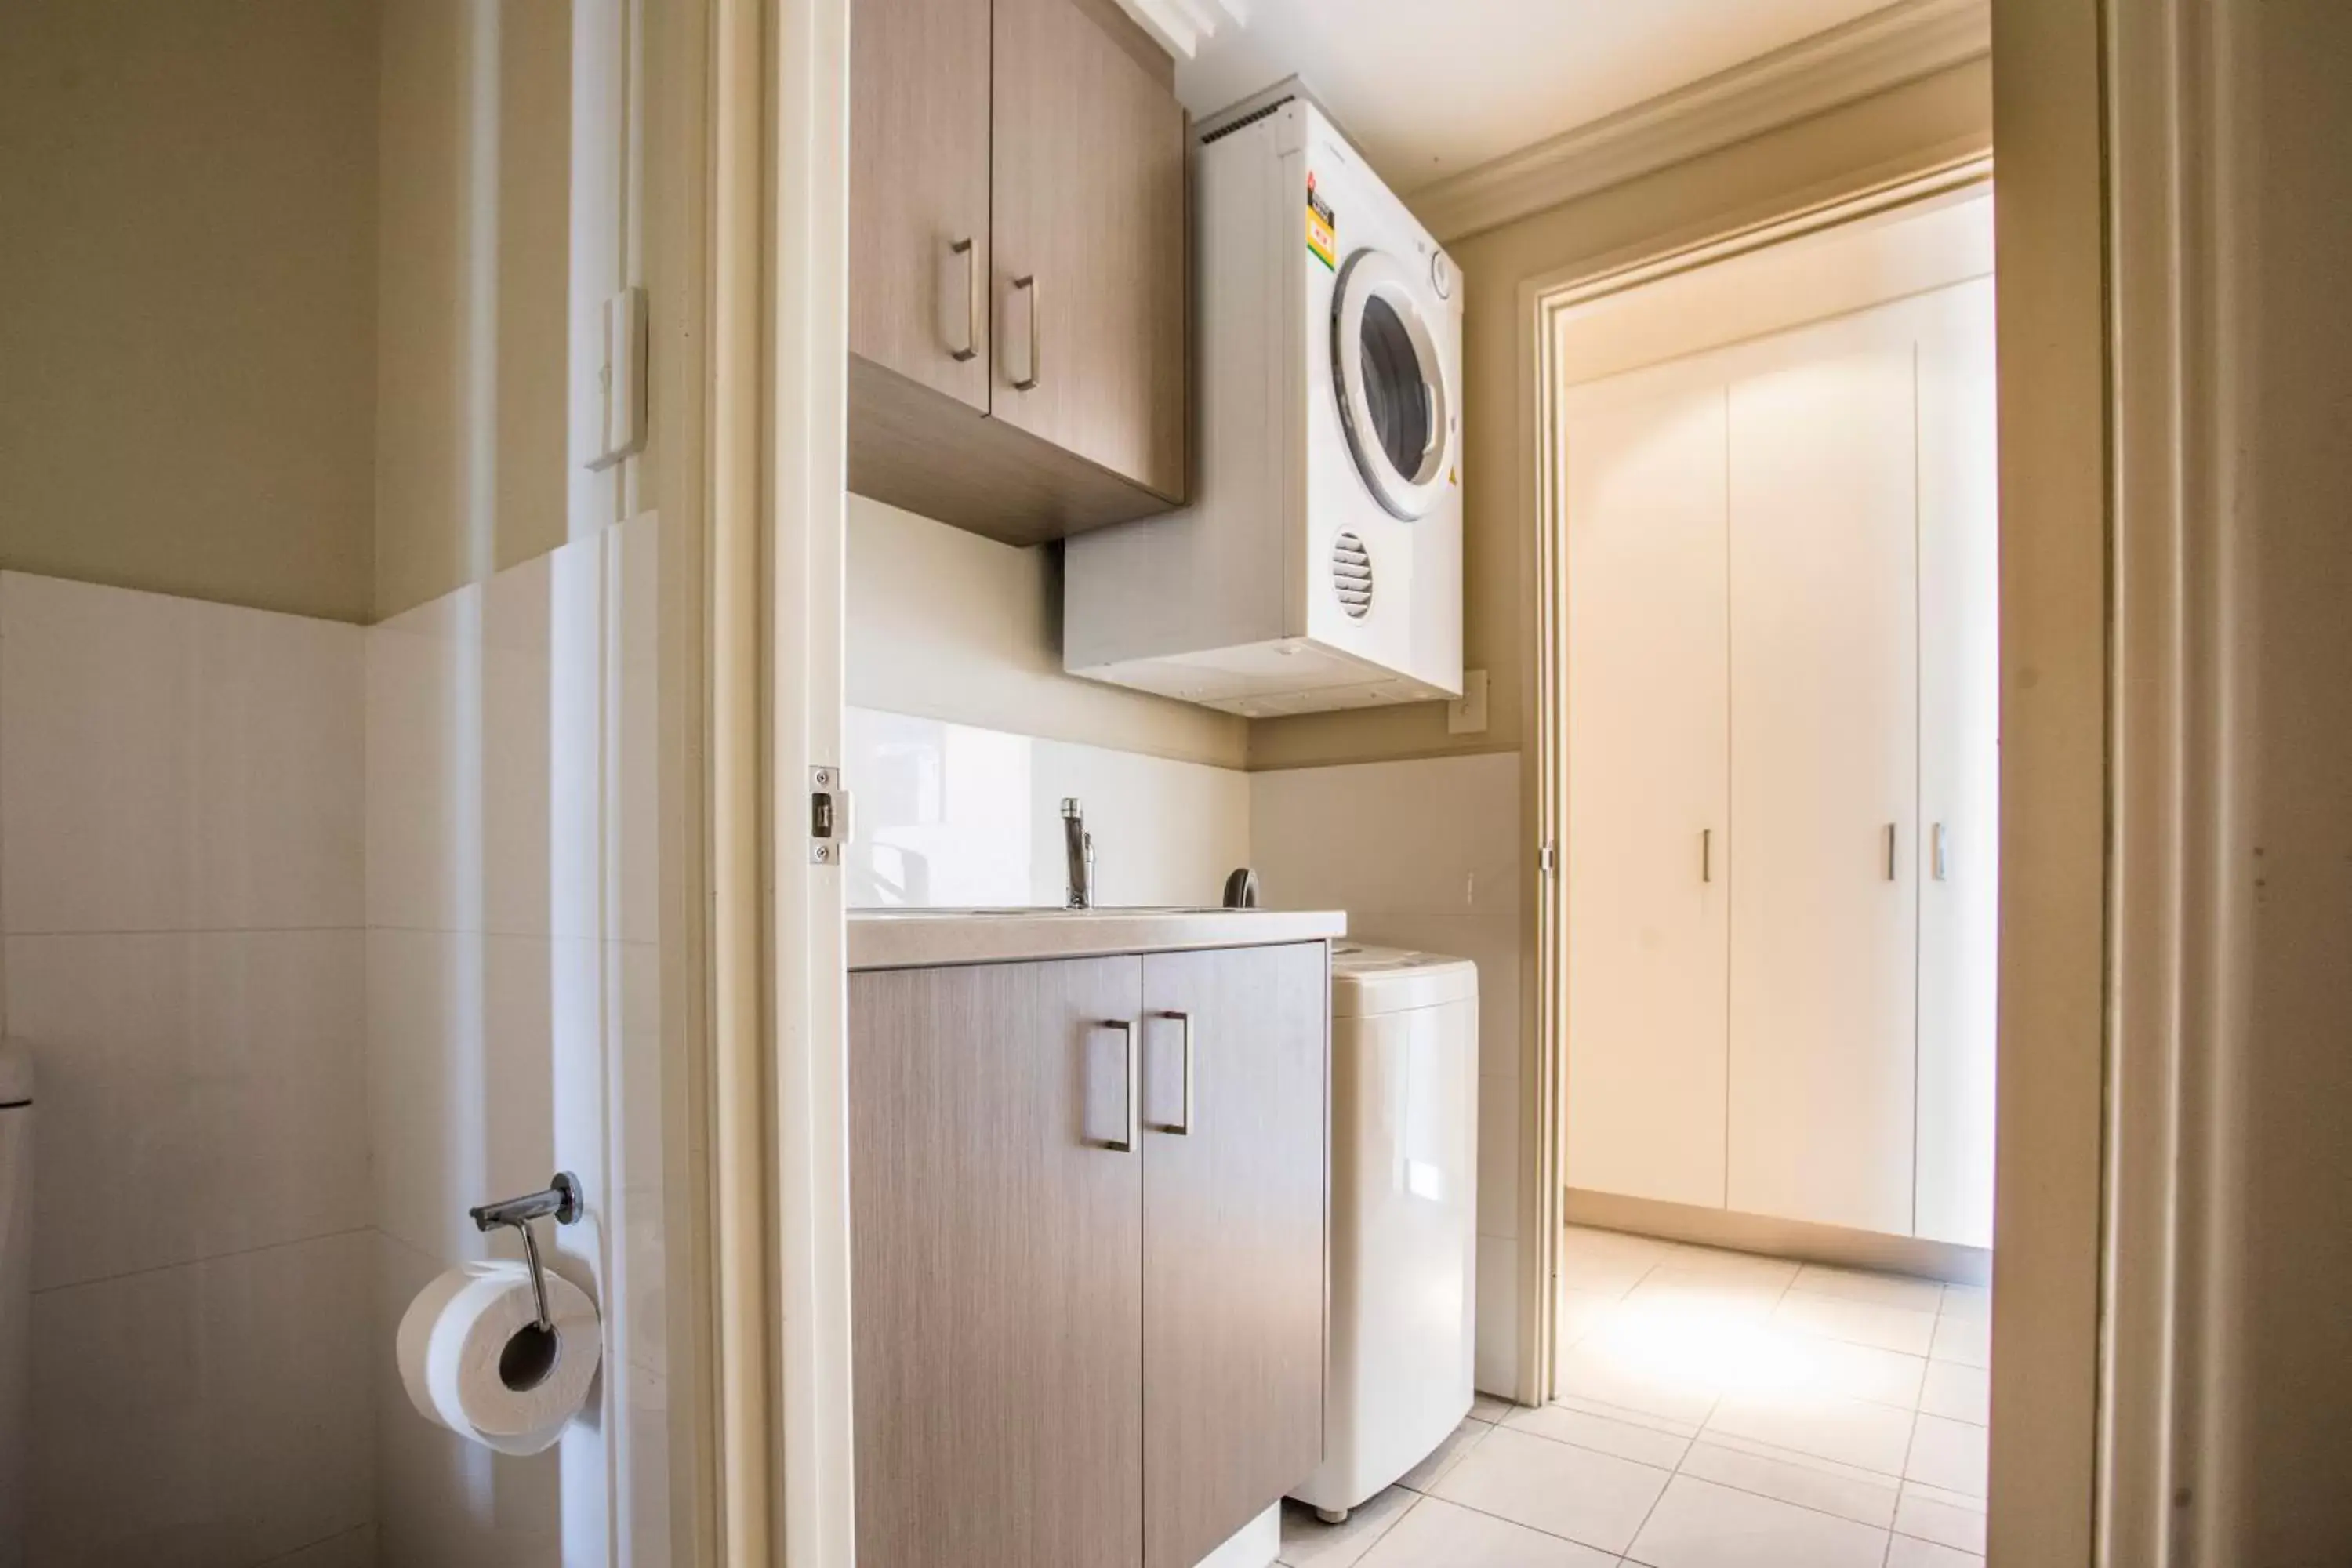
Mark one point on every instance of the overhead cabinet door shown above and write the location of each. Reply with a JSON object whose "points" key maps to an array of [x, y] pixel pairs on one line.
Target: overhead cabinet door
{"points": [[919, 222], [1089, 217], [1825, 777], [1647, 716]]}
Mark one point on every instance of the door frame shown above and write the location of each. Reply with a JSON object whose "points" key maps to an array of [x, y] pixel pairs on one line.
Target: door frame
{"points": [[749, 141], [1544, 302]]}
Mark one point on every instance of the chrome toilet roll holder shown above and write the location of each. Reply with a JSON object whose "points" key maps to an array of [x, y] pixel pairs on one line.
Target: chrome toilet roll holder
{"points": [[561, 1200]]}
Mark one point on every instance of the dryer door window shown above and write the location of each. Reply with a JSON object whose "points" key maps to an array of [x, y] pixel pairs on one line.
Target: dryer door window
{"points": [[1393, 400]]}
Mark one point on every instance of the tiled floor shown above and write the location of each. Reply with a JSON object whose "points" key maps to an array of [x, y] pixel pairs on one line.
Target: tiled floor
{"points": [[1717, 1410]]}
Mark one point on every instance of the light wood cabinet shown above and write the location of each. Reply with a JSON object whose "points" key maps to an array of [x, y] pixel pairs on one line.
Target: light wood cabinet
{"points": [[1089, 1307], [1018, 266]]}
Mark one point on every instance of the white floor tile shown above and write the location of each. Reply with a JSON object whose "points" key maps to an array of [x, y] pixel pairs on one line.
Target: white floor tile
{"points": [[1608, 1412], [1751, 1269], [1308, 1542], [1839, 1490], [1697, 1524], [1437, 1534], [1593, 1498], [1458, 1442], [1968, 1301], [1948, 1519], [1608, 1262], [1865, 1372], [1712, 1298], [1487, 1407], [1581, 1313], [1656, 1380], [1863, 1285], [1908, 1552], [1852, 1431], [1963, 1339], [1957, 1391], [1857, 1322], [1599, 1432], [1947, 1454]]}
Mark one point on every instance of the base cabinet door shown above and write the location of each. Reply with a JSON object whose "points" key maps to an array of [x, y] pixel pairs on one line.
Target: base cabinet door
{"points": [[1233, 1111], [997, 1266]]}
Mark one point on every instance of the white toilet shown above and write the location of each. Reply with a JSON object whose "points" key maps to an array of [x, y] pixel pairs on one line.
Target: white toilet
{"points": [[15, 1293], [1404, 1216]]}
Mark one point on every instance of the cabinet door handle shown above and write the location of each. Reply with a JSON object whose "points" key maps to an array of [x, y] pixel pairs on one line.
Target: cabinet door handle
{"points": [[1182, 1129], [1707, 854], [1890, 851], [1936, 851], [1127, 1033], [971, 253], [1029, 285]]}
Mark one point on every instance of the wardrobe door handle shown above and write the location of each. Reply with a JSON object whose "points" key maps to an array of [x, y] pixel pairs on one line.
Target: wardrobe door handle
{"points": [[1029, 284], [1127, 1033], [1182, 1129], [1890, 851], [971, 253], [1707, 854], [1936, 851]]}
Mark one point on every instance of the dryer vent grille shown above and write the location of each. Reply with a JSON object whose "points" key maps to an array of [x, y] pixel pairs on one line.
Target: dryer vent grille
{"points": [[1351, 574], [1252, 118]]}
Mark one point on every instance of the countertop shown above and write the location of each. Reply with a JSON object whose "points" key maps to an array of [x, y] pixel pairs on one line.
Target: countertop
{"points": [[926, 939]]}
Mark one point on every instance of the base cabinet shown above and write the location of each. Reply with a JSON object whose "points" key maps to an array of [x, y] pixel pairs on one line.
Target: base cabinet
{"points": [[1086, 1252]]}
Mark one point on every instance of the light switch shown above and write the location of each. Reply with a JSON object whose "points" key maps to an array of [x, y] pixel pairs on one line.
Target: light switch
{"points": [[1466, 714]]}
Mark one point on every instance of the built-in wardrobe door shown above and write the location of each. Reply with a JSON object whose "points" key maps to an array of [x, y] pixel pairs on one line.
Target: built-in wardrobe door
{"points": [[996, 1264], [1233, 1202], [1090, 197], [1959, 858], [1647, 854], [1824, 776], [918, 201]]}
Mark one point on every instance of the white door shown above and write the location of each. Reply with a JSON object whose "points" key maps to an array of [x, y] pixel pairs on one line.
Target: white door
{"points": [[1959, 767], [1646, 867], [1824, 774]]}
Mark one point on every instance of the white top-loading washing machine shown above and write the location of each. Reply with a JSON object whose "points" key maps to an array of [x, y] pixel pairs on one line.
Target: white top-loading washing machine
{"points": [[1319, 562], [1404, 1216]]}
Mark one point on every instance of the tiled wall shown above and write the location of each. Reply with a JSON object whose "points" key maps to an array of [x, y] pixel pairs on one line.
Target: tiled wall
{"points": [[513, 1024], [952, 816], [1425, 855], [181, 886]]}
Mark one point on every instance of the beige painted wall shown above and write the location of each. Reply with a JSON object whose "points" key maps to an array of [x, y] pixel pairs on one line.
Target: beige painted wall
{"points": [[946, 624], [188, 342], [473, 312], [1929, 122]]}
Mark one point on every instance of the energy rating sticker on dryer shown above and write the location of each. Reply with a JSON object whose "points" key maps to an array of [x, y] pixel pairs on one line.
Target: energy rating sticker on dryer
{"points": [[1322, 228]]}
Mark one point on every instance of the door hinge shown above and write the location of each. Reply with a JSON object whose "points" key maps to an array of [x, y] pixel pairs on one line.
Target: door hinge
{"points": [[1548, 859], [828, 815]]}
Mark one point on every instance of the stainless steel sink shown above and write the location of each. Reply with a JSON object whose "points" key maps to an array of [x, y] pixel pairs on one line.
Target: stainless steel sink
{"points": [[1037, 911]]}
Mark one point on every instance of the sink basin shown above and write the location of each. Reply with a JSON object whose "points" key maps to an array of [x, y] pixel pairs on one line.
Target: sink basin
{"points": [[1035, 911]]}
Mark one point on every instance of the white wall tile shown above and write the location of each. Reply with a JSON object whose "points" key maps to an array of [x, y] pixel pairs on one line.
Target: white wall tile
{"points": [[950, 815], [199, 1094], [167, 764], [214, 1413]]}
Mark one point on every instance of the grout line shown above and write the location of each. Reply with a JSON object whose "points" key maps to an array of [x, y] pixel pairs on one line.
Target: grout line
{"points": [[207, 1258], [322, 1541]]}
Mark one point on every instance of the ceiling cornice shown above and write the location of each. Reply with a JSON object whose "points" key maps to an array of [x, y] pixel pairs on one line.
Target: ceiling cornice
{"points": [[1180, 27], [1868, 55]]}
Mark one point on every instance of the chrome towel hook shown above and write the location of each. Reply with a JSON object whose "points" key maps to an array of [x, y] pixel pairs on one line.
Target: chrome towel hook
{"points": [[560, 1201]]}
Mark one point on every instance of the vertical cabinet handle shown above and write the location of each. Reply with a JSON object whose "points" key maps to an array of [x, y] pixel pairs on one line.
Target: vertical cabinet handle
{"points": [[1182, 1129], [1935, 852], [1707, 854], [1127, 1033], [1029, 285], [971, 253], [1890, 851]]}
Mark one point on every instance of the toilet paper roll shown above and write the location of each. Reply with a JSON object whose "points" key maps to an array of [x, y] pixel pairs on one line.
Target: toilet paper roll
{"points": [[474, 1359]]}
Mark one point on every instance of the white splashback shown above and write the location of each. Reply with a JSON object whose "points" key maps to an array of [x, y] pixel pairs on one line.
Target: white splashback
{"points": [[950, 815], [1427, 854]]}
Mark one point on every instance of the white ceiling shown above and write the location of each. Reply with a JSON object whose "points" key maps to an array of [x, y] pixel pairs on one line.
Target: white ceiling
{"points": [[1430, 88]]}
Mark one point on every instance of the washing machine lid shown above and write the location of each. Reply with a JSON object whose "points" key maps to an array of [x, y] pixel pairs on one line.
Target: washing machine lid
{"points": [[1368, 981], [15, 1074], [1386, 371]]}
